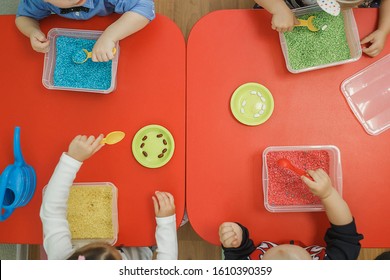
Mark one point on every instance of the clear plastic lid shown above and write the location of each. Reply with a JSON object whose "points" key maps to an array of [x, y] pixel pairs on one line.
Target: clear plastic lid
{"points": [[368, 94]]}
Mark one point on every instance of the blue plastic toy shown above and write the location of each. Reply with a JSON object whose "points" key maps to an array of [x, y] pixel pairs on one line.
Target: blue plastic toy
{"points": [[17, 182]]}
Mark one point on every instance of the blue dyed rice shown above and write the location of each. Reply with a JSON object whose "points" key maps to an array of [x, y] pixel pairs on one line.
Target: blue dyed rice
{"points": [[88, 75]]}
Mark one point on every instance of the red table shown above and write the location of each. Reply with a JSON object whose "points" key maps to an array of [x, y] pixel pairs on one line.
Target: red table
{"points": [[150, 90], [224, 158]]}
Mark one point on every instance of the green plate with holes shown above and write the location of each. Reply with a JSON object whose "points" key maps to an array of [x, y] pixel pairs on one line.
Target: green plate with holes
{"points": [[252, 104], [153, 146]]}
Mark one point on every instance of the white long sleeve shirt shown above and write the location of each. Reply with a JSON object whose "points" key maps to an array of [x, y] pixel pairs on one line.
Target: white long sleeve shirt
{"points": [[57, 236]]}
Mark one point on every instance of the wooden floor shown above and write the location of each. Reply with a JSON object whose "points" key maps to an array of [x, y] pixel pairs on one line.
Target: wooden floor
{"points": [[185, 13], [192, 247]]}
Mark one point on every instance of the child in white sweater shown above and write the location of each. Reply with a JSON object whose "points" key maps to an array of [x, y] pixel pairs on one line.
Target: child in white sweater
{"points": [[57, 236]]}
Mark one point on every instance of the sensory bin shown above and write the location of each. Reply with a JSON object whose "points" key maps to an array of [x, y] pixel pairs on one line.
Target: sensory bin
{"points": [[336, 42], [284, 191], [93, 213], [61, 72]]}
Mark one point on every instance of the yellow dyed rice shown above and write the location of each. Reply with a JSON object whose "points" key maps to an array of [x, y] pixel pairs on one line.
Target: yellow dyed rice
{"points": [[90, 212]]}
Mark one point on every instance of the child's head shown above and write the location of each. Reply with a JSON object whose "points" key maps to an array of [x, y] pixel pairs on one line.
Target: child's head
{"points": [[96, 251], [66, 3], [286, 252]]}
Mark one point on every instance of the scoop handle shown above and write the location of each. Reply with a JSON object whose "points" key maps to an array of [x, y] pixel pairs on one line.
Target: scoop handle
{"points": [[19, 160], [300, 172], [302, 22]]}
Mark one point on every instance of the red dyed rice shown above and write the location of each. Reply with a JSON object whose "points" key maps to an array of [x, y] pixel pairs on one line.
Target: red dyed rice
{"points": [[284, 186]]}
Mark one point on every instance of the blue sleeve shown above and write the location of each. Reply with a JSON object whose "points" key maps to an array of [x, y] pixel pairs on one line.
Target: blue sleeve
{"points": [[143, 7], [36, 9]]}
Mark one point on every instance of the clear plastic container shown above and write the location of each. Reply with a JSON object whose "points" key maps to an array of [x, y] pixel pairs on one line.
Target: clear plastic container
{"points": [[351, 33], [368, 94], [81, 242], [50, 59], [335, 173]]}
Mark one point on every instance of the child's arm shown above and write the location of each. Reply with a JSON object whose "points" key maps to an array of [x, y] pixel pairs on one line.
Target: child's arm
{"points": [[30, 28], [283, 19], [127, 24], [336, 208], [377, 39], [57, 237], [235, 240], [166, 235]]}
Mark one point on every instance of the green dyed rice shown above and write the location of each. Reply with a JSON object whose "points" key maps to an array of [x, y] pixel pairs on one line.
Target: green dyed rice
{"points": [[309, 49]]}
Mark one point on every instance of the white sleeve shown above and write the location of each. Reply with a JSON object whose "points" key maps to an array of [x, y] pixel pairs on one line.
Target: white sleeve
{"points": [[166, 238], [57, 237]]}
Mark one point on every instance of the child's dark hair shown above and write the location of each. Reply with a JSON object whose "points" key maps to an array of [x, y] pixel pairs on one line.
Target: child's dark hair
{"points": [[383, 256], [96, 251]]}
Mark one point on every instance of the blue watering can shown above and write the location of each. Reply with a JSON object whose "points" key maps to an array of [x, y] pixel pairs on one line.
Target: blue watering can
{"points": [[17, 182]]}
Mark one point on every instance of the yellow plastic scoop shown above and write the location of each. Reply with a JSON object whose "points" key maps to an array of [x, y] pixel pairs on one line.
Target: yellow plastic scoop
{"points": [[308, 23], [113, 137], [83, 55]]}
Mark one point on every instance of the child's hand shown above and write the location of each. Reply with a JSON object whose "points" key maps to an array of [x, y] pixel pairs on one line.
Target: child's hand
{"points": [[103, 49], [164, 204], [284, 20], [322, 185], [376, 41], [39, 41], [83, 147], [230, 235]]}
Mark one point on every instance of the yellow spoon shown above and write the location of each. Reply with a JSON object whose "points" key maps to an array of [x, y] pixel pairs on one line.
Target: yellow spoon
{"points": [[113, 137], [308, 23], [83, 55]]}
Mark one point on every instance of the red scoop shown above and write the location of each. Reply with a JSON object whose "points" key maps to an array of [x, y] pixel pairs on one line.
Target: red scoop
{"points": [[287, 164]]}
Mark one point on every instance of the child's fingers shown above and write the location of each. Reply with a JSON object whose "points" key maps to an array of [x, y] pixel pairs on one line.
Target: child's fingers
{"points": [[226, 226], [315, 174], [311, 184], [226, 229], [322, 173], [227, 235], [171, 198], [367, 39], [164, 198], [155, 205], [235, 243], [228, 241], [372, 50], [90, 140], [308, 182], [96, 145]]}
